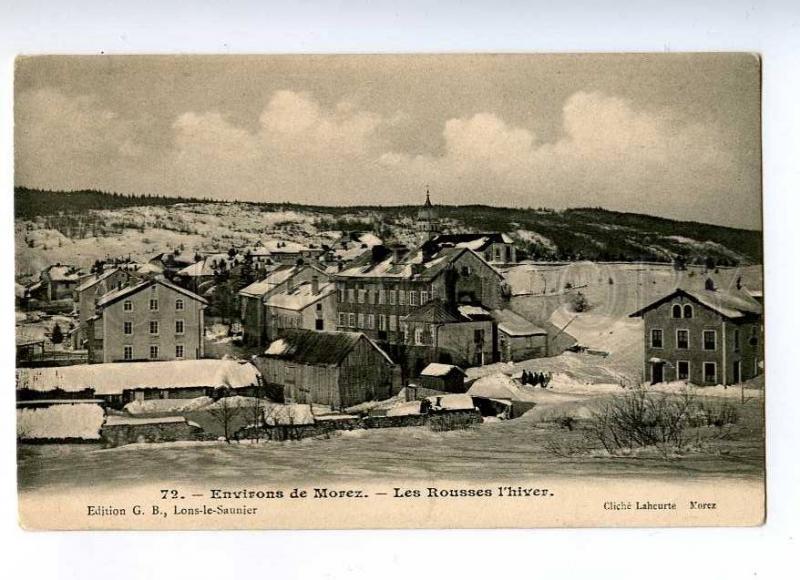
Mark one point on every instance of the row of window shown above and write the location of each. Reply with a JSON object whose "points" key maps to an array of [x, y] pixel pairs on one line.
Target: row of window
{"points": [[682, 339], [153, 325], [127, 306], [368, 321], [154, 351], [392, 297], [683, 371]]}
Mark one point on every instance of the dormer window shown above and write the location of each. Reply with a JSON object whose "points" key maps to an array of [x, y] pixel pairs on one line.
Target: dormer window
{"points": [[676, 311]]}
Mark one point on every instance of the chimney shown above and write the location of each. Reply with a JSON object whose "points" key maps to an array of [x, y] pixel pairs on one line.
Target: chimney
{"points": [[315, 285], [379, 253]]}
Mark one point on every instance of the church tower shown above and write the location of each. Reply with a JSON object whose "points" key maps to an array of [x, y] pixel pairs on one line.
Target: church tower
{"points": [[428, 218]]}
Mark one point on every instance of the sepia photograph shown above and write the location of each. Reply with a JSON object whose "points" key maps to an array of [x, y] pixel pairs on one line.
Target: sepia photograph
{"points": [[389, 291]]}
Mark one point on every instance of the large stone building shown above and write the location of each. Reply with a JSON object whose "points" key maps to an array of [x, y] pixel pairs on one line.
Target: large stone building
{"points": [[705, 337], [151, 319], [387, 297], [495, 247]]}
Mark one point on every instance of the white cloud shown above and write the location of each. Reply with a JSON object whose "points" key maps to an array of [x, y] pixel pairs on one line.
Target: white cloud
{"points": [[608, 153]]}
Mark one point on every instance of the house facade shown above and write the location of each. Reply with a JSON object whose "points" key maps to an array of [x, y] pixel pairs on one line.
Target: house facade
{"points": [[309, 305], [339, 369], [704, 337], [258, 328], [148, 320], [88, 293], [518, 338], [57, 282]]}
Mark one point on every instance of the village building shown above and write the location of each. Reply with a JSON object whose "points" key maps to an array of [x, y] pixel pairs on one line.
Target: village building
{"points": [[387, 297], [88, 293], [443, 378], [310, 305], [285, 252], [351, 246], [704, 337], [496, 248], [260, 329], [172, 262], [152, 319], [339, 369], [117, 384], [518, 338], [56, 282]]}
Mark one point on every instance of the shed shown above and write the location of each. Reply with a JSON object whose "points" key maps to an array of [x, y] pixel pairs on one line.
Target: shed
{"points": [[442, 377], [519, 338]]}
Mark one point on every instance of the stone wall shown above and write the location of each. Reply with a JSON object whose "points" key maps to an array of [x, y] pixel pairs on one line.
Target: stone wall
{"points": [[116, 435]]}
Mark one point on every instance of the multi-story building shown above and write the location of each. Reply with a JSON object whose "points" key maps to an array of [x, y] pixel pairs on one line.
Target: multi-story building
{"points": [[88, 293], [704, 337], [151, 319], [252, 299], [309, 305], [386, 295], [495, 247]]}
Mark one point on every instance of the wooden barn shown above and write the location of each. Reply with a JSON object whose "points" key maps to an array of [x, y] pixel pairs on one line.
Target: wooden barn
{"points": [[444, 378], [339, 369]]}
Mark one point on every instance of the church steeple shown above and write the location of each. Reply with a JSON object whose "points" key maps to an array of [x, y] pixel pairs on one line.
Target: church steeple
{"points": [[428, 217]]}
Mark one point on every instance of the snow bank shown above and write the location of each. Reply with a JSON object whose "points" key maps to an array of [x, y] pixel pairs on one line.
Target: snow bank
{"points": [[167, 405], [499, 386], [114, 420], [457, 402], [81, 421], [403, 409]]}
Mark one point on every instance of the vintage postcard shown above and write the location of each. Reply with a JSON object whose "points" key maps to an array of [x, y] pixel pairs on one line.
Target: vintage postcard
{"points": [[384, 291]]}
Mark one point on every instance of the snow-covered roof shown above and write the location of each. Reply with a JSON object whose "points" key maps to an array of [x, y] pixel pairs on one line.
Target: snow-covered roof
{"points": [[512, 324], [318, 347], [300, 297], [275, 278], [63, 273], [733, 304], [457, 402], [95, 278], [110, 297], [114, 378], [112, 420], [473, 311], [439, 370], [80, 421]]}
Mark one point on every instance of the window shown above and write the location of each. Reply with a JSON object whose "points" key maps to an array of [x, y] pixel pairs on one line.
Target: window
{"points": [[381, 296], [127, 327], [127, 306], [676, 311], [656, 338], [360, 320], [362, 295], [412, 298], [478, 336], [351, 295], [179, 304], [466, 271], [154, 327], [683, 370], [419, 335], [423, 297], [401, 297], [370, 321], [736, 340], [179, 327], [392, 322], [342, 295], [392, 296], [710, 373], [153, 351], [688, 311], [709, 340], [154, 304], [342, 319], [178, 351], [351, 320], [319, 324], [127, 352], [319, 306], [682, 338], [381, 322]]}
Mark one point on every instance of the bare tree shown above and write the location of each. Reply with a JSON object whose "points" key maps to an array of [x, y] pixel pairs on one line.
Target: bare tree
{"points": [[225, 413]]}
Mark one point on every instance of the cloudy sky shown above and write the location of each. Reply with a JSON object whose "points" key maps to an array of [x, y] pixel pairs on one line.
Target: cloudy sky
{"points": [[671, 135]]}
